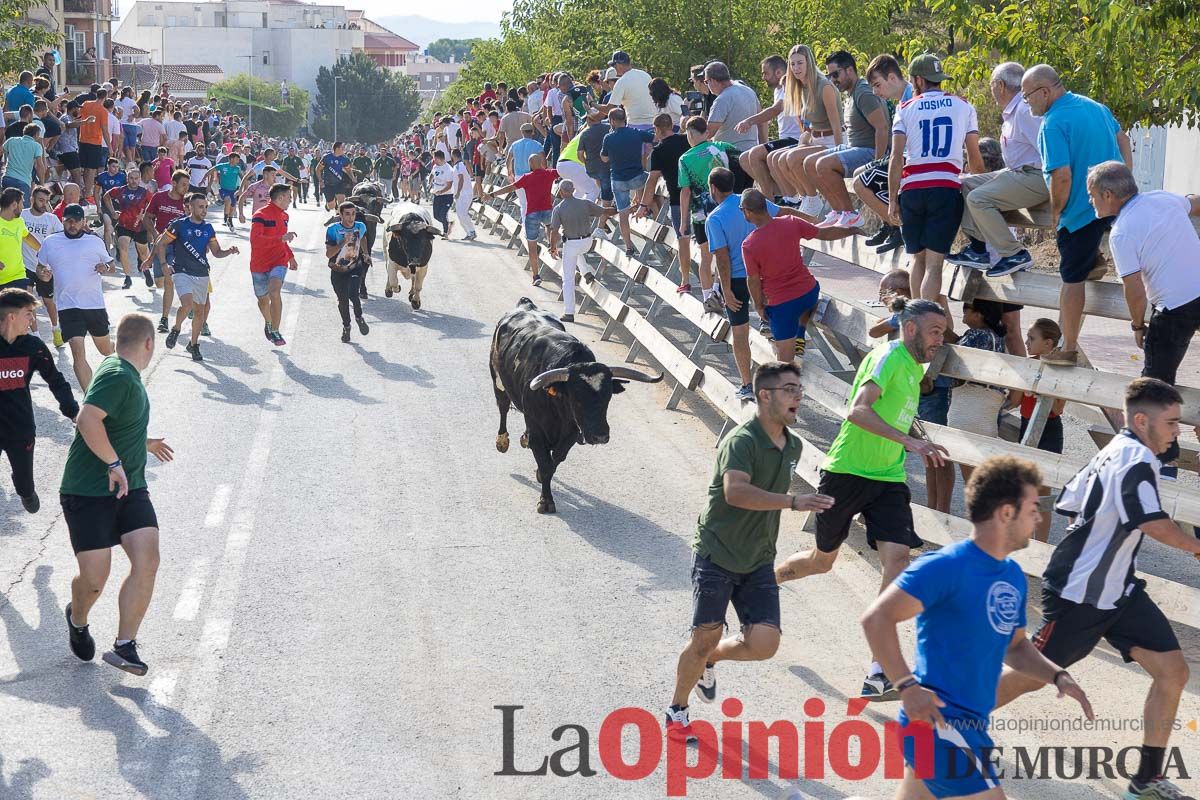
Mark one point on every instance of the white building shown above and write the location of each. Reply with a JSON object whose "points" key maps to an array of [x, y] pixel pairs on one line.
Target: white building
{"points": [[431, 76], [275, 40]]}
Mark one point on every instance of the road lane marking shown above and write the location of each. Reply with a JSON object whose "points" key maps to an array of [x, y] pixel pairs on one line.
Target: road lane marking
{"points": [[216, 509], [188, 604]]}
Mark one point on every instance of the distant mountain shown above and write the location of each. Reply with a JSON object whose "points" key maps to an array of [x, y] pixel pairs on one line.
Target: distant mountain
{"points": [[423, 30]]}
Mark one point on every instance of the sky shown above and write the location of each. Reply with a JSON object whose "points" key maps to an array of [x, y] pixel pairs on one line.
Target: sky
{"points": [[455, 11]]}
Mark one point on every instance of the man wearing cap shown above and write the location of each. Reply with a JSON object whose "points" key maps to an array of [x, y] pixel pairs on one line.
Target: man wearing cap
{"points": [[631, 91], [75, 261], [576, 217]]}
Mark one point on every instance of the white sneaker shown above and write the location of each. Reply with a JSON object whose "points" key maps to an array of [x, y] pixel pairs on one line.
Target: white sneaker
{"points": [[852, 219], [832, 220], [706, 687], [678, 725], [810, 206]]}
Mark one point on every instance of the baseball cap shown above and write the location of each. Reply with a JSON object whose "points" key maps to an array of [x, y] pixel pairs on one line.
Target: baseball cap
{"points": [[610, 74], [74, 211], [526, 128], [929, 67], [619, 57]]}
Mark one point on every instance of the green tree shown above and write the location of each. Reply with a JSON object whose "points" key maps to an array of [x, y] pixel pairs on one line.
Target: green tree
{"points": [[373, 104], [274, 117], [459, 49], [24, 42]]}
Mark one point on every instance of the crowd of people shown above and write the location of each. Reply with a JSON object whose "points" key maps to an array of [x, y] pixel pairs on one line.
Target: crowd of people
{"points": [[911, 152]]}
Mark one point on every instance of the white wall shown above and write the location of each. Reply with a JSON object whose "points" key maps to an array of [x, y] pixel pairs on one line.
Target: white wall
{"points": [[1183, 161]]}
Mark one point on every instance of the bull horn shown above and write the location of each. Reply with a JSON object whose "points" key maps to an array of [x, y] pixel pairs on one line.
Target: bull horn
{"points": [[631, 374], [371, 218], [433, 229], [548, 377]]}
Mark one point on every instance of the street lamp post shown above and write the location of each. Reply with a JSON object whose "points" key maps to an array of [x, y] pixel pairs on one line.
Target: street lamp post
{"points": [[336, 78]]}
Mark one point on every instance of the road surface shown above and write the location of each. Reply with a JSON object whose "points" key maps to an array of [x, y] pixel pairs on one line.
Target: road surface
{"points": [[353, 579]]}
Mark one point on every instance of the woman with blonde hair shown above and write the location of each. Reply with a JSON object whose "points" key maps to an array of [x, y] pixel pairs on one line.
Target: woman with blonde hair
{"points": [[811, 96]]}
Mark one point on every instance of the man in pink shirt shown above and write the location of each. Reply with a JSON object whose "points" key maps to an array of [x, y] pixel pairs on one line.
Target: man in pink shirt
{"points": [[779, 282], [259, 194]]}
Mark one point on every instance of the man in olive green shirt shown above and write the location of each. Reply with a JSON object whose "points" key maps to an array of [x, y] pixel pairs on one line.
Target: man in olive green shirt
{"points": [[734, 560], [864, 470], [104, 497]]}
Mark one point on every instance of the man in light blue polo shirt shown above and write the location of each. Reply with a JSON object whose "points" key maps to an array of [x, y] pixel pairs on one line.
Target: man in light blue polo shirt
{"points": [[518, 159], [726, 228], [1077, 134], [21, 155], [21, 94]]}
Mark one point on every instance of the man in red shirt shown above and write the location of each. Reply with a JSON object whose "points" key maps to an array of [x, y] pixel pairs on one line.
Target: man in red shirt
{"points": [[127, 203], [271, 258], [538, 184], [778, 280], [165, 207], [93, 139]]}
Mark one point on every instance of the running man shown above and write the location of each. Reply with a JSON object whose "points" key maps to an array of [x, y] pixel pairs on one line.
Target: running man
{"points": [[75, 260], [335, 180], [229, 176], [166, 206], [193, 239], [104, 498], [126, 204], [1090, 590], [969, 601], [13, 236], [864, 470], [112, 177], [258, 193], [348, 263], [464, 193], [271, 258], [41, 222], [734, 559], [21, 353]]}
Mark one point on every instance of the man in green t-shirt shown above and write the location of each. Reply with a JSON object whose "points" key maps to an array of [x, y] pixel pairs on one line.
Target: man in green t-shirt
{"points": [[294, 164], [864, 471], [385, 168], [362, 165], [701, 158], [734, 558], [104, 497]]}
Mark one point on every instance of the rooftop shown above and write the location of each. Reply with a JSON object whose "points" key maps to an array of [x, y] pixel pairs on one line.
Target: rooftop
{"points": [[143, 75]]}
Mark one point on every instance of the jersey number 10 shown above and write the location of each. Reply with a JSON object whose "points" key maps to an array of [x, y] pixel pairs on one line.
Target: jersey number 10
{"points": [[935, 136]]}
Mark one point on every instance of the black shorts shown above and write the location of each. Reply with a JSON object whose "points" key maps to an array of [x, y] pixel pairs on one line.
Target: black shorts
{"points": [[1072, 630], [70, 161], [885, 507], [1052, 435], [780, 144], [754, 595], [739, 290], [19, 283], [929, 218], [331, 191], [874, 176], [1078, 251], [98, 523], [76, 322], [45, 289], [91, 156], [138, 236]]}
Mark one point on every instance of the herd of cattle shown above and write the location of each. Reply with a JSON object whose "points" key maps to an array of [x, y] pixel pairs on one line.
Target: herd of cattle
{"points": [[547, 374]]}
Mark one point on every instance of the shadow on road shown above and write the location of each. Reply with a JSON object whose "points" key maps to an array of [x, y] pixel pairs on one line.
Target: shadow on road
{"points": [[51, 676], [227, 389], [392, 371], [621, 533], [448, 325], [333, 387]]}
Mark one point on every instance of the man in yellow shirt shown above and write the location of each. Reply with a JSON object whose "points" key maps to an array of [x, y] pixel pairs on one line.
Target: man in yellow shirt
{"points": [[12, 233]]}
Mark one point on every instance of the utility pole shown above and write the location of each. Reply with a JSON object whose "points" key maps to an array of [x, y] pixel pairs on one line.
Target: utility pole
{"points": [[250, 89], [336, 78]]}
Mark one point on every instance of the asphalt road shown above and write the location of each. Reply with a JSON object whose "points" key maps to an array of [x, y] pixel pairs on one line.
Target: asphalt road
{"points": [[353, 579]]}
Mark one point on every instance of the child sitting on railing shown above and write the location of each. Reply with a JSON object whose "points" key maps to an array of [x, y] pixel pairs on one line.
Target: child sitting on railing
{"points": [[976, 407]]}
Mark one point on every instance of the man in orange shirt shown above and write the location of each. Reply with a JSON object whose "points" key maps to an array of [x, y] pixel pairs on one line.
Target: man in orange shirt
{"points": [[93, 139]]}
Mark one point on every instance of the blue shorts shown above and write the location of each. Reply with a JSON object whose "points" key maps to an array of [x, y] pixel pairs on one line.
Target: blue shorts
{"points": [[131, 134], [533, 224], [623, 189], [852, 157], [935, 406], [229, 194], [962, 754], [785, 317], [157, 263], [262, 280]]}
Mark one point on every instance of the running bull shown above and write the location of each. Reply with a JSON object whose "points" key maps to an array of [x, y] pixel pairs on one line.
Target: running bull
{"points": [[555, 381], [409, 247]]}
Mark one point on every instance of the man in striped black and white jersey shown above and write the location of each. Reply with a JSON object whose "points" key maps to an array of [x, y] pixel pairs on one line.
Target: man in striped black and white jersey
{"points": [[1090, 590], [929, 134]]}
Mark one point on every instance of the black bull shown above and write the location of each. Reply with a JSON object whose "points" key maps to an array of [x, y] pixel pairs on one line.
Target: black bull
{"points": [[555, 381]]}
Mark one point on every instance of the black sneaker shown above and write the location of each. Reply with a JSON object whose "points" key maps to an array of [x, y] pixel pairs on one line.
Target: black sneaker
{"points": [[268, 333], [880, 236], [162, 325], [32, 503], [362, 294], [363, 328], [194, 349], [128, 284], [82, 643], [893, 241], [172, 337], [125, 657], [149, 276], [345, 333], [877, 688], [537, 280], [204, 331]]}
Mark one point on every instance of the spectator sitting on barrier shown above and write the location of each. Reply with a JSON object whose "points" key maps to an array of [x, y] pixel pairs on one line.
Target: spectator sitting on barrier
{"points": [[887, 82], [812, 97], [1077, 134], [1016, 184], [1157, 254], [1042, 337], [976, 407], [622, 149], [754, 160], [891, 286]]}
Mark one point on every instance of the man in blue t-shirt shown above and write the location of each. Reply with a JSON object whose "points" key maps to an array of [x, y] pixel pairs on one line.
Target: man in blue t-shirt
{"points": [[192, 239], [335, 177], [346, 249], [1077, 134], [624, 149], [112, 177], [969, 601]]}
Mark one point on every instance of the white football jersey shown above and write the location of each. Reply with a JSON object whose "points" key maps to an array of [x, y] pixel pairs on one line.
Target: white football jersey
{"points": [[936, 125]]}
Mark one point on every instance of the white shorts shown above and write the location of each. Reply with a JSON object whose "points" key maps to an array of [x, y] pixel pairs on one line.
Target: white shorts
{"points": [[190, 284]]}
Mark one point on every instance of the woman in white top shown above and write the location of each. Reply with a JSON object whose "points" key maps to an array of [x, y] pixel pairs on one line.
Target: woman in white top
{"points": [[809, 95], [667, 100]]}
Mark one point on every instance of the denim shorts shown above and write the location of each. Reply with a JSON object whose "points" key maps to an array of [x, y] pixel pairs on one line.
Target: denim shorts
{"points": [[785, 317], [157, 263], [852, 157], [262, 280], [754, 595], [622, 189], [130, 134], [935, 406], [149, 153], [534, 221]]}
